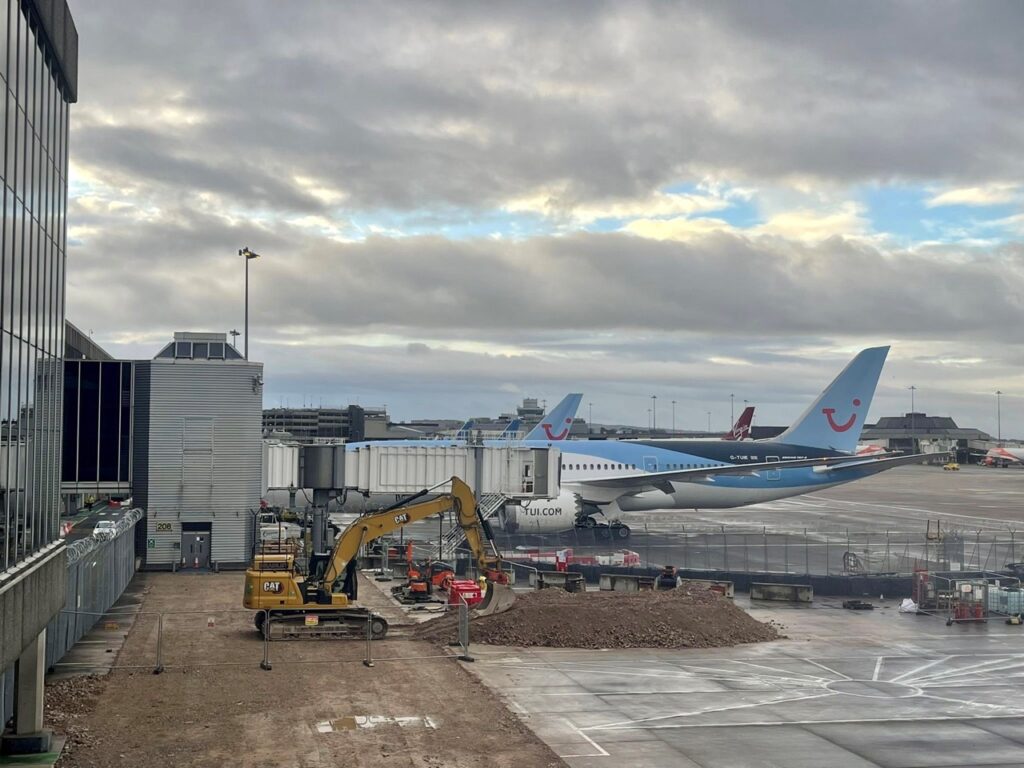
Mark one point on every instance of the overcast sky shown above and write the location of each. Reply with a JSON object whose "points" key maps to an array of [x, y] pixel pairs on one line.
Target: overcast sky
{"points": [[462, 204]]}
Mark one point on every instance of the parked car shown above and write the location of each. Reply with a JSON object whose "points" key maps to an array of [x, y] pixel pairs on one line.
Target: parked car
{"points": [[104, 529]]}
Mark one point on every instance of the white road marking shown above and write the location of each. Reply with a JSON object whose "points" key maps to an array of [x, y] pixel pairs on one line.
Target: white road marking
{"points": [[878, 667], [600, 750], [828, 669], [922, 668], [627, 725]]}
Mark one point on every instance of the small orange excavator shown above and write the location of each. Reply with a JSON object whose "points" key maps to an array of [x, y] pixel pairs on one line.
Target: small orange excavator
{"points": [[423, 579]]}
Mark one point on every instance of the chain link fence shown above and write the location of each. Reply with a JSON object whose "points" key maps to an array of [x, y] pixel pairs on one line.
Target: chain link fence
{"points": [[771, 550]]}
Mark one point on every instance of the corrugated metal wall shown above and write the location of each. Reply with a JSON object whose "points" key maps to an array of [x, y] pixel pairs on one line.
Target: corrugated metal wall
{"points": [[204, 455]]}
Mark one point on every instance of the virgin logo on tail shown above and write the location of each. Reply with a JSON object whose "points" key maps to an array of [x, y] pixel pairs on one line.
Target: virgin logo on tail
{"points": [[561, 435], [830, 412]]}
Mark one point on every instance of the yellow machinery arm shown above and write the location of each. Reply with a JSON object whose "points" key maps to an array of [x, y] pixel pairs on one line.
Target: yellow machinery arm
{"points": [[373, 526]]}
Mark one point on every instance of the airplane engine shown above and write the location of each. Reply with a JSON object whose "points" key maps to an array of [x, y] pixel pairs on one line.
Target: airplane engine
{"points": [[542, 515]]}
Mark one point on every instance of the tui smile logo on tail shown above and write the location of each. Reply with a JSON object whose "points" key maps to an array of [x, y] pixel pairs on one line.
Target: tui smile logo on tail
{"points": [[830, 412], [561, 435]]}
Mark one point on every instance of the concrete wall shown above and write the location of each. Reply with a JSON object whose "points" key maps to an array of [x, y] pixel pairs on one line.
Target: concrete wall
{"points": [[29, 597]]}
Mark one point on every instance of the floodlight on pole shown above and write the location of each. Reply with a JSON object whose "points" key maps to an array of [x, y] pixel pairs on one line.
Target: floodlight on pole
{"points": [[654, 413], [249, 256], [709, 421], [999, 418], [673, 417], [732, 411]]}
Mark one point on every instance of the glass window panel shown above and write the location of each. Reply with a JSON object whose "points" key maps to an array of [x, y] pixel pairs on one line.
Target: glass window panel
{"points": [[6, 276], [19, 154], [22, 56], [69, 463], [109, 421], [10, 134], [4, 25], [127, 369], [88, 412]]}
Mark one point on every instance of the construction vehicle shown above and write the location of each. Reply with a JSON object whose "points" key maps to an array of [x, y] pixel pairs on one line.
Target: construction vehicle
{"points": [[325, 596], [668, 578], [422, 579]]}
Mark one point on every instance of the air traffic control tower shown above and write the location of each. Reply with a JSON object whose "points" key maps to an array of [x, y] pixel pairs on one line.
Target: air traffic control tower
{"points": [[38, 84]]}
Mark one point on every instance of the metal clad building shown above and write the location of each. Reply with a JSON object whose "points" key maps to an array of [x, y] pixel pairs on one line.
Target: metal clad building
{"points": [[198, 452], [38, 83]]}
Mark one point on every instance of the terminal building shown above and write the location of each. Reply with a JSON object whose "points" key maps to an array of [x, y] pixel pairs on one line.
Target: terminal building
{"points": [[197, 452], [38, 72], [178, 435]]}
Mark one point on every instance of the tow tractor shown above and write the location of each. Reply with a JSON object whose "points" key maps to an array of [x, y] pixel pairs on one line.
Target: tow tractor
{"points": [[328, 590]]}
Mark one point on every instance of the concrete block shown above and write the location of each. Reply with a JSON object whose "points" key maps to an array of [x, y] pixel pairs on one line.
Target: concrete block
{"points": [[788, 593], [725, 588]]}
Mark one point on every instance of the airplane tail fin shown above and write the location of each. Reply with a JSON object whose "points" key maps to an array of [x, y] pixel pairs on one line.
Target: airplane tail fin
{"points": [[511, 429], [557, 422], [464, 430], [836, 418], [741, 429]]}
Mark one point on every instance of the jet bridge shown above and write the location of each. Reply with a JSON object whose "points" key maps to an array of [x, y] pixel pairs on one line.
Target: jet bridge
{"points": [[506, 471], [514, 471]]}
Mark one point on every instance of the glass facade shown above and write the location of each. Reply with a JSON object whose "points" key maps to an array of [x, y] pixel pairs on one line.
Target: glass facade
{"points": [[97, 441], [34, 117]]}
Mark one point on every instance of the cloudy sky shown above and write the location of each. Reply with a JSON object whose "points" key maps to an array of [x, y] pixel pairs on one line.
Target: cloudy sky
{"points": [[462, 204]]}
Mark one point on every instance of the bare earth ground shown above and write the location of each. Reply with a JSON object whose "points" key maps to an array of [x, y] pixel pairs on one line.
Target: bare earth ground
{"points": [[214, 706]]}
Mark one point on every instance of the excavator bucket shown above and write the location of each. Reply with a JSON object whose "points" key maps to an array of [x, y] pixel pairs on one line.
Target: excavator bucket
{"points": [[498, 599]]}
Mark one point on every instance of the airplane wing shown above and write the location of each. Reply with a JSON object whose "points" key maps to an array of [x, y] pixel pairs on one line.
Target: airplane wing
{"points": [[885, 461], [662, 481]]}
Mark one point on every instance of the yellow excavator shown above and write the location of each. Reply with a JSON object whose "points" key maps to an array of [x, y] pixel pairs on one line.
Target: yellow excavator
{"points": [[329, 588]]}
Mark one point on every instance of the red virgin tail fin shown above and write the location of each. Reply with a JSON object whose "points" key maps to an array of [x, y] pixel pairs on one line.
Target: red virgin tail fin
{"points": [[741, 429]]}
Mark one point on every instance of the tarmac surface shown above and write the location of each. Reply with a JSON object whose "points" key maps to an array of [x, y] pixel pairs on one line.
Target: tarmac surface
{"points": [[845, 689]]}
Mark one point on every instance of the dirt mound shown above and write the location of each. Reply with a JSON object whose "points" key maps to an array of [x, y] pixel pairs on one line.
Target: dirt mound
{"points": [[679, 618]]}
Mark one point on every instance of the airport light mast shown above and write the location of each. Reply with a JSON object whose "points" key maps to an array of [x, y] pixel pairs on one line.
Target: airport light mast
{"points": [[999, 418], [249, 256]]}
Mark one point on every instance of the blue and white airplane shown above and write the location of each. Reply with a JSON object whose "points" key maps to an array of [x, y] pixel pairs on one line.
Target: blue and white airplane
{"points": [[818, 451], [606, 477]]}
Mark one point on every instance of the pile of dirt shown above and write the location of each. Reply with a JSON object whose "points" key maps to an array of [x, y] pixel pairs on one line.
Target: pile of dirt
{"points": [[687, 617], [68, 704]]}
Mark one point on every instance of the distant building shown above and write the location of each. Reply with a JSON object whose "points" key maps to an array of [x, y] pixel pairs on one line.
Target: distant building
{"points": [[920, 433], [351, 424]]}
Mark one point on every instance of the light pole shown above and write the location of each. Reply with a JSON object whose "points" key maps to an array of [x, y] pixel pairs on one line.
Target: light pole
{"points": [[249, 256], [732, 412], [709, 421], [913, 440], [234, 337], [590, 418], [999, 419], [654, 413], [673, 417], [648, 419]]}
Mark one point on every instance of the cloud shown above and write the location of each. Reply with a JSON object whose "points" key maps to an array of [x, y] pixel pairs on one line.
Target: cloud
{"points": [[992, 194], [417, 178]]}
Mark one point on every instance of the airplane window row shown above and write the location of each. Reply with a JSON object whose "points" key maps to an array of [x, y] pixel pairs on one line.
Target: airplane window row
{"points": [[665, 467], [599, 466]]}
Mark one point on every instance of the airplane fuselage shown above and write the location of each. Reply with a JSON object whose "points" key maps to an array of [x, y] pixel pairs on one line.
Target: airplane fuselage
{"points": [[583, 460]]}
